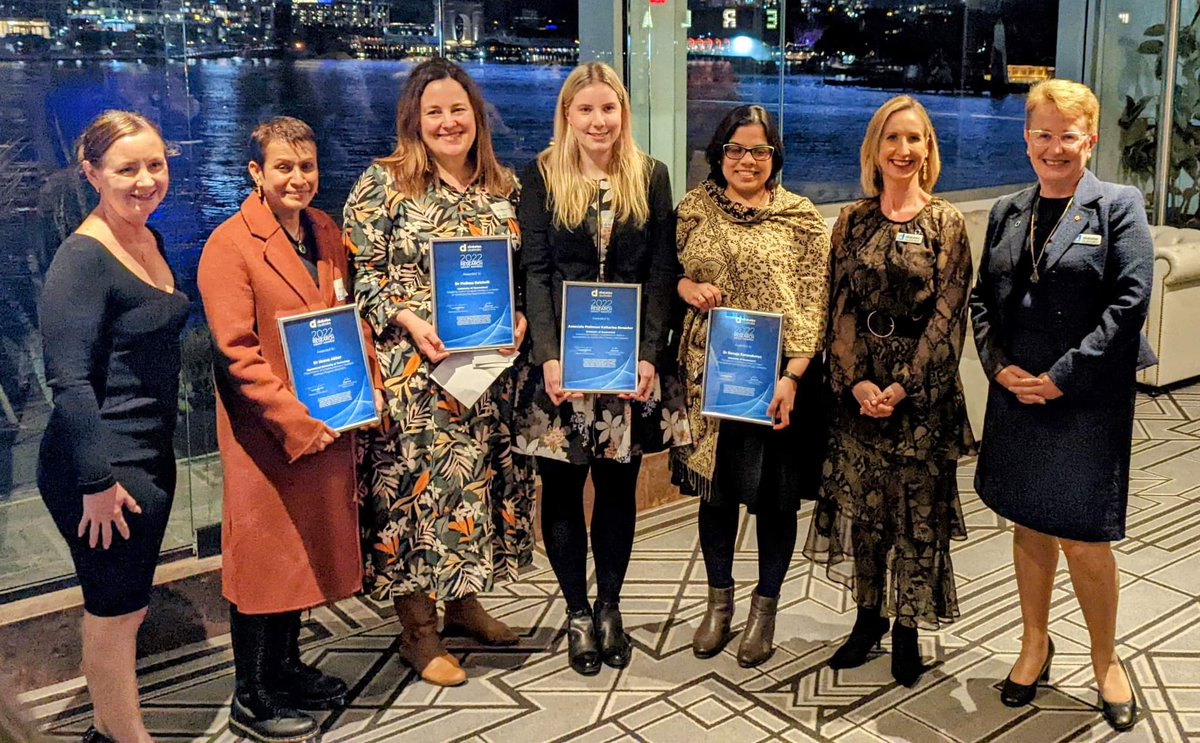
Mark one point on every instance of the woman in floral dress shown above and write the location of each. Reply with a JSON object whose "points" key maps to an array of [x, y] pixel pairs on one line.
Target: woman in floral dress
{"points": [[445, 509], [889, 503], [596, 209]]}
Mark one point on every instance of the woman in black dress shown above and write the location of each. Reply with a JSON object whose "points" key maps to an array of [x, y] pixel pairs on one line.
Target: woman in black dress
{"points": [[1063, 290], [110, 318]]}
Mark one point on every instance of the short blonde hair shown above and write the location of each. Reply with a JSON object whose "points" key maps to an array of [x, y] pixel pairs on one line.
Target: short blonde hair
{"points": [[1069, 97], [568, 192], [106, 129], [870, 176]]}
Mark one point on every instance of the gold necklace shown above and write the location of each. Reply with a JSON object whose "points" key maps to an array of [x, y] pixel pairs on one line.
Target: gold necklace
{"points": [[1037, 257]]}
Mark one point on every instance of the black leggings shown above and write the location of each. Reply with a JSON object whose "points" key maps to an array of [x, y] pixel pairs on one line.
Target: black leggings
{"points": [[776, 542], [565, 531]]}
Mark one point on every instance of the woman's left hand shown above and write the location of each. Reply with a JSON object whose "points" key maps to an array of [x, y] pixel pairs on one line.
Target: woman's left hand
{"points": [[782, 403], [518, 334], [891, 397], [646, 374]]}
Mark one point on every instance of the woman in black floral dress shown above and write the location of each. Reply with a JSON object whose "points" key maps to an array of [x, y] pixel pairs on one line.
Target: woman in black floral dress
{"points": [[898, 311], [595, 208]]}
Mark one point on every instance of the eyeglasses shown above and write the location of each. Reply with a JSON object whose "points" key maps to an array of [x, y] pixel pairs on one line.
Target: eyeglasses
{"points": [[1043, 138], [737, 151]]}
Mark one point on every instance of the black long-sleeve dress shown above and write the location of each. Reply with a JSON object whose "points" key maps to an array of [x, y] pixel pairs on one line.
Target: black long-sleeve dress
{"points": [[111, 349]]}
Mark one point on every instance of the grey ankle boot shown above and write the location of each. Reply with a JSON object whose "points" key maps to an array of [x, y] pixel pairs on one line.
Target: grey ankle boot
{"points": [[758, 639], [713, 632]]}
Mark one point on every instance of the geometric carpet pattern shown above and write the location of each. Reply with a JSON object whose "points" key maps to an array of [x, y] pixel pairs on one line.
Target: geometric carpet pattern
{"points": [[527, 694]]}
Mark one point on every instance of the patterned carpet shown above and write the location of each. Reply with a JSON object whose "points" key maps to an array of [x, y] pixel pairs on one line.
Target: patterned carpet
{"points": [[527, 694]]}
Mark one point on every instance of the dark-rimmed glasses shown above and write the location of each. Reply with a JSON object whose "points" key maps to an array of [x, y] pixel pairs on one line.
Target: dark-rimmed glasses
{"points": [[737, 151]]}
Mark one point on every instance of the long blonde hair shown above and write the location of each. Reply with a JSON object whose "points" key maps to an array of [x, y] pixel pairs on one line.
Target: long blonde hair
{"points": [[870, 175], [410, 163], [568, 192]]}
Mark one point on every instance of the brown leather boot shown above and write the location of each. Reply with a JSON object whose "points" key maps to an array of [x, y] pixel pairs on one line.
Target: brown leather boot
{"points": [[466, 616], [713, 633], [758, 639], [420, 645]]}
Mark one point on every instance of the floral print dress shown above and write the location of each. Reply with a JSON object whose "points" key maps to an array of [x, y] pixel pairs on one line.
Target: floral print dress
{"points": [[889, 501], [599, 426], [445, 507]]}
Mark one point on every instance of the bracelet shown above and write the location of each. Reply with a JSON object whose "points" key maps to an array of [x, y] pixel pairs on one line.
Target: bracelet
{"points": [[792, 376]]}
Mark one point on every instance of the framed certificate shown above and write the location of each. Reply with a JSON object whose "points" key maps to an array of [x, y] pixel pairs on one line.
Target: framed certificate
{"points": [[741, 364], [599, 337], [472, 280], [327, 366]]}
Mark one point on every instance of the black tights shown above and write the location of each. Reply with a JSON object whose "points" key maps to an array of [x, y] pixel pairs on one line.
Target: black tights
{"points": [[565, 532], [776, 543]]}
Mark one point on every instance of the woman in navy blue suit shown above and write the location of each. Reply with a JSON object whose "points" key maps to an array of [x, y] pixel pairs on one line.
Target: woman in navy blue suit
{"points": [[1063, 289]]}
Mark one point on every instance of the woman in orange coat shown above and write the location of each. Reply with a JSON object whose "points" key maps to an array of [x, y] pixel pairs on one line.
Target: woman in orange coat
{"points": [[290, 527]]}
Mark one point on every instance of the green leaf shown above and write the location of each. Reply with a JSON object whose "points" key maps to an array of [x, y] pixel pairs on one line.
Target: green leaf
{"points": [[1150, 47], [1157, 29]]}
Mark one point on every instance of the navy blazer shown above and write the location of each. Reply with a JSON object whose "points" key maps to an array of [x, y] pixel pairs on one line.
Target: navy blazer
{"points": [[636, 254], [1091, 301]]}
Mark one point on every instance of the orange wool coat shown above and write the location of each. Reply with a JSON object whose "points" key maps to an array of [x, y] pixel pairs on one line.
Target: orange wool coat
{"points": [[290, 523]]}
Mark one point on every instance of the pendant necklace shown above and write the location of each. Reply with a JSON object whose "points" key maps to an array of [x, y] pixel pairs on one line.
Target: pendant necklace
{"points": [[1037, 256], [297, 242]]}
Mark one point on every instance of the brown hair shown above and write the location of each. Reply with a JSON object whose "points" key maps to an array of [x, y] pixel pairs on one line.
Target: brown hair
{"points": [[279, 129], [106, 129], [870, 177], [1068, 97], [410, 163]]}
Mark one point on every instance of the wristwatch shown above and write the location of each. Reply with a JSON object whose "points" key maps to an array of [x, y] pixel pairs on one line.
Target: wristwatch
{"points": [[792, 376]]}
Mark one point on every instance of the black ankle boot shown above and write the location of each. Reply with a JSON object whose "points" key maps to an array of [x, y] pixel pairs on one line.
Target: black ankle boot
{"points": [[583, 649], [92, 735], [869, 629], [907, 666], [258, 713], [297, 684], [615, 647]]}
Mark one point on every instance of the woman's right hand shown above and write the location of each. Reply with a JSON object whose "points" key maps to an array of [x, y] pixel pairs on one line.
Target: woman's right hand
{"points": [[424, 337], [1021, 383], [552, 379], [322, 442], [868, 395], [701, 296], [102, 512]]}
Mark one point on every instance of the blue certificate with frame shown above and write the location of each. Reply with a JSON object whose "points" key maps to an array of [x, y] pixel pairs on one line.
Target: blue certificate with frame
{"points": [[599, 336], [472, 280], [327, 366], [741, 364]]}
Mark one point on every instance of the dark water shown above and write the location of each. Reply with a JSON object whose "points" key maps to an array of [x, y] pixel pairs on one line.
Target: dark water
{"points": [[209, 107]]}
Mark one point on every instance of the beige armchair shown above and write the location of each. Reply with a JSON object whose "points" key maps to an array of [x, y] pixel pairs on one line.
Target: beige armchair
{"points": [[1171, 326]]}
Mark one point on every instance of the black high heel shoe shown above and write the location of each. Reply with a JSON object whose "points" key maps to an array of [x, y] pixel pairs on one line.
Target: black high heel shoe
{"points": [[1123, 715], [92, 735], [615, 646], [583, 651], [1019, 695]]}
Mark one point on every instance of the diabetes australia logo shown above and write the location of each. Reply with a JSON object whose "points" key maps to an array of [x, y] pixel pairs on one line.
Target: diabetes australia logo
{"points": [[470, 256], [322, 330], [602, 303]]}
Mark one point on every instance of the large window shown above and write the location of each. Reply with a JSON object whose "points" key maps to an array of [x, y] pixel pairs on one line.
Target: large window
{"points": [[825, 67]]}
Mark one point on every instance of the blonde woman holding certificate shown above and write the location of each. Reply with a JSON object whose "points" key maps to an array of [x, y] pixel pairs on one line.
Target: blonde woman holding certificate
{"points": [[595, 208]]}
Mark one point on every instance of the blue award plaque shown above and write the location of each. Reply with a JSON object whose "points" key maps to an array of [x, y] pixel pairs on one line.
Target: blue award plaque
{"points": [[472, 279], [741, 364], [327, 365], [599, 338]]}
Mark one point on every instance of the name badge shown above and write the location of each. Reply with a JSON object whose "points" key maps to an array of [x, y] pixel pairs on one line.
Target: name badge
{"points": [[503, 210], [339, 290], [1086, 238], [912, 238]]}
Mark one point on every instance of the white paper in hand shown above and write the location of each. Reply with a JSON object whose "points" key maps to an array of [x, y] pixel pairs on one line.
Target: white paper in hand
{"points": [[466, 376]]}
